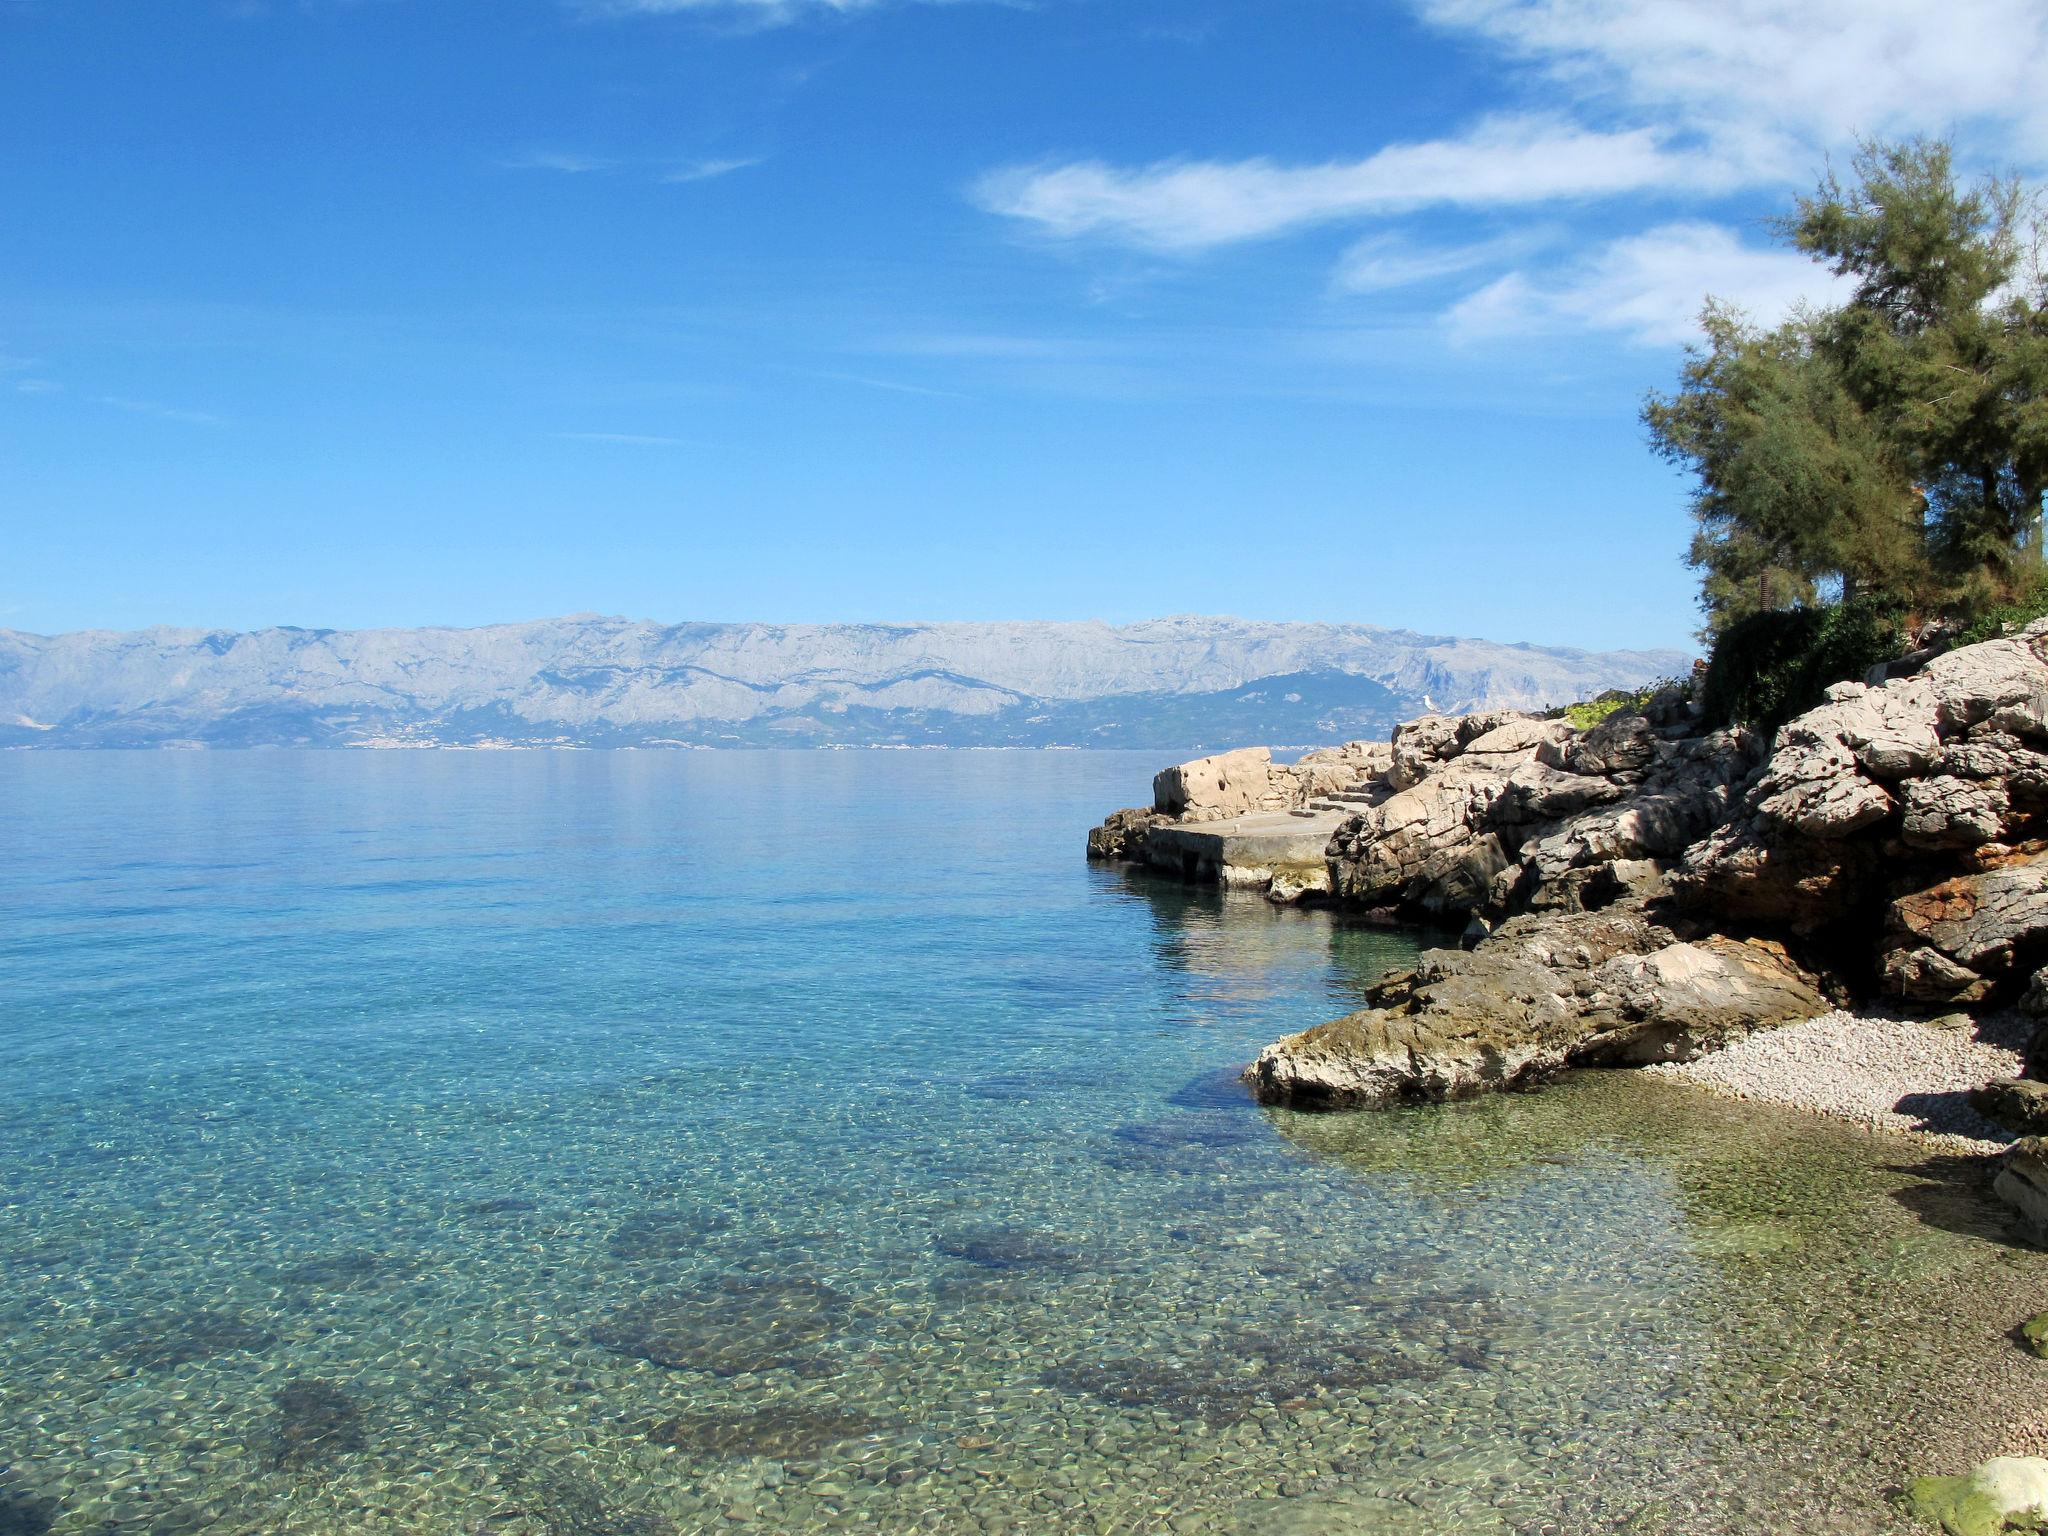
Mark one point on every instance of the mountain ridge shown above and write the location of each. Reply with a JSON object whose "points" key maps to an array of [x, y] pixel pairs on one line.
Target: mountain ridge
{"points": [[604, 680]]}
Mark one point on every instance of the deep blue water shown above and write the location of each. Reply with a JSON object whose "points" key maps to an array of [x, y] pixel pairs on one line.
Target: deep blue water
{"points": [[573, 1144]]}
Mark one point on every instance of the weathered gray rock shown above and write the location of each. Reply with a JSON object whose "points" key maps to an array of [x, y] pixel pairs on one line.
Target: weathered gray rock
{"points": [[1949, 812], [1544, 992], [1122, 834], [2023, 1184], [1212, 788], [2017, 1103], [1988, 922]]}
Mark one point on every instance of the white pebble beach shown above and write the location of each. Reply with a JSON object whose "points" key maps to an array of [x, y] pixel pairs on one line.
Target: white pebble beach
{"points": [[1881, 1073]]}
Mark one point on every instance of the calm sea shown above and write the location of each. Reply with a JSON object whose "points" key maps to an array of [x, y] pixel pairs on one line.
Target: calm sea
{"points": [[559, 1144]]}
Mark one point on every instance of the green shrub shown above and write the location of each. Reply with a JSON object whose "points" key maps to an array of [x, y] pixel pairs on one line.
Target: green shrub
{"points": [[1771, 666], [2030, 605]]}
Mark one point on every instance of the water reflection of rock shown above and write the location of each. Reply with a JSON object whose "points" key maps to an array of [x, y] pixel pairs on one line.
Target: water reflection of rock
{"points": [[1240, 948]]}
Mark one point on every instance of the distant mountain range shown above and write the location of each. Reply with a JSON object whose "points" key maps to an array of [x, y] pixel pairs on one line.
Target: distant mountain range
{"points": [[1165, 684]]}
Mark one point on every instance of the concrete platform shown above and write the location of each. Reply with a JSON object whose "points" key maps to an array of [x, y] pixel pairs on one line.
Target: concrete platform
{"points": [[1245, 850]]}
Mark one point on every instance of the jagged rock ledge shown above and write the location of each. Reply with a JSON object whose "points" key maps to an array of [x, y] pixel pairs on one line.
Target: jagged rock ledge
{"points": [[1648, 890]]}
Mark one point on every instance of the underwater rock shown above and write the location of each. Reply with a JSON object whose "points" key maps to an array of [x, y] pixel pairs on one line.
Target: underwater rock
{"points": [[1009, 1248], [1198, 1130], [2005, 1493], [504, 1205], [361, 1270], [1237, 1371], [728, 1326], [1224, 1088], [315, 1420], [572, 1503], [156, 1344], [787, 1432], [23, 1515], [659, 1235]]}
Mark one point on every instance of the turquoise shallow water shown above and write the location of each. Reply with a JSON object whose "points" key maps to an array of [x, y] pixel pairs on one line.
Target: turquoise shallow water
{"points": [[579, 1144]]}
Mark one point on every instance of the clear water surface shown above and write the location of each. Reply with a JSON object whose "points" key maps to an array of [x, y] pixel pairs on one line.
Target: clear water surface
{"points": [[619, 1144]]}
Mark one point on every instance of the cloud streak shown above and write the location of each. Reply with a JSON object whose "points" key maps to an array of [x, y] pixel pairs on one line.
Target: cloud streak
{"points": [[1182, 206], [1648, 287], [668, 172]]}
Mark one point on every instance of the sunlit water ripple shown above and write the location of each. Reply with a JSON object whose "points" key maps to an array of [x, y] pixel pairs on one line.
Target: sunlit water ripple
{"points": [[618, 1144]]}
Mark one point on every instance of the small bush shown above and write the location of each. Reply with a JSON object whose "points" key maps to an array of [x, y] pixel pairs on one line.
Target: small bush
{"points": [[1771, 666], [1589, 713], [2030, 605]]}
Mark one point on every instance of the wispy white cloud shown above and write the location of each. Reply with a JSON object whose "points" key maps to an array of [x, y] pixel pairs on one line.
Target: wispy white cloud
{"points": [[1648, 287], [1773, 80], [892, 386], [36, 386], [1194, 205], [1385, 261], [621, 439], [672, 172], [708, 170], [163, 412]]}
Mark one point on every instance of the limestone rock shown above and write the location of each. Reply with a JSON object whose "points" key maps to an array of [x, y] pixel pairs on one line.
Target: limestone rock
{"points": [[1544, 992], [2004, 681], [1122, 834], [2023, 1184], [1986, 922], [1948, 812], [1213, 788], [2019, 1104]]}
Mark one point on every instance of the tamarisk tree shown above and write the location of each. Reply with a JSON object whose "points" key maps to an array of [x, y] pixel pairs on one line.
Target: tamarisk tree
{"points": [[1895, 445]]}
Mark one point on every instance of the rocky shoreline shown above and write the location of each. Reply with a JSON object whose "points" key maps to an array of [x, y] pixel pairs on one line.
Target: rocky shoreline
{"points": [[1648, 891]]}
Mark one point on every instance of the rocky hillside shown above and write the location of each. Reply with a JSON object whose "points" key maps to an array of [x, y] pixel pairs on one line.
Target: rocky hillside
{"points": [[1169, 684]]}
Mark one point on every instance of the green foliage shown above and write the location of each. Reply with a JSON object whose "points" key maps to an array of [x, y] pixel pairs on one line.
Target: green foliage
{"points": [[1989, 623], [1895, 446], [1590, 712], [1769, 666]]}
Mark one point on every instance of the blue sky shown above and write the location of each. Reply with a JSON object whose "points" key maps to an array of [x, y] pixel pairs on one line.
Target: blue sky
{"points": [[368, 312]]}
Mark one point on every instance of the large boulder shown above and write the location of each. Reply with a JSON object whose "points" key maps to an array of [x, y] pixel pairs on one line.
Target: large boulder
{"points": [[2023, 1184], [1544, 992], [1122, 834], [1959, 939], [1212, 788]]}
